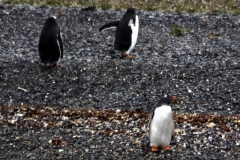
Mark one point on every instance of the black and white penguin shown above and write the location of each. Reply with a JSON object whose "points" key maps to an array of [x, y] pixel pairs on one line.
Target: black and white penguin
{"points": [[162, 125], [50, 45], [126, 33]]}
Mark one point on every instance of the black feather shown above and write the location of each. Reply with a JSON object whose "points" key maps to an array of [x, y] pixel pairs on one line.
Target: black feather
{"points": [[50, 41], [123, 37], [109, 25]]}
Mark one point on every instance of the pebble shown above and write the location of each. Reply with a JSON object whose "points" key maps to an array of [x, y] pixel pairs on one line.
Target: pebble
{"points": [[203, 64]]}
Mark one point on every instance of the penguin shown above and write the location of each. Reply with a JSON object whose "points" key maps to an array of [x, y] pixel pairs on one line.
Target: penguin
{"points": [[161, 125], [126, 32], [50, 46]]}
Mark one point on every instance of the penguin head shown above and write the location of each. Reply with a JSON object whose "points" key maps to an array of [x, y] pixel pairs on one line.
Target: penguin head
{"points": [[60, 14], [131, 10], [167, 100]]}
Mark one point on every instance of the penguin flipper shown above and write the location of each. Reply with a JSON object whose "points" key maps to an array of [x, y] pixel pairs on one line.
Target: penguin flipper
{"points": [[150, 119], [109, 25]]}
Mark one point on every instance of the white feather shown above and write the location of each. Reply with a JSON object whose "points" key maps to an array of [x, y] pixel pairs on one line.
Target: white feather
{"points": [[130, 22], [59, 48], [134, 33], [113, 27], [161, 127]]}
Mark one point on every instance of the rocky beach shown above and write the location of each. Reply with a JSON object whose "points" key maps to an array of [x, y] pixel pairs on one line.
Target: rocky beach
{"points": [[97, 104]]}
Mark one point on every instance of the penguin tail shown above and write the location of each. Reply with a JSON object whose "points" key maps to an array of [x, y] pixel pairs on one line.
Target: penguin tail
{"points": [[109, 26]]}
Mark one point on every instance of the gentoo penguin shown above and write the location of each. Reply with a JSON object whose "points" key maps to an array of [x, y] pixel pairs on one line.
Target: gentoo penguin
{"points": [[162, 125], [126, 33], [50, 45]]}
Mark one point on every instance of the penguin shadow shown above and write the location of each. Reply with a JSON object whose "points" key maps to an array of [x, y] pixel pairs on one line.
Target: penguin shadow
{"points": [[114, 55], [173, 141], [48, 67], [146, 149]]}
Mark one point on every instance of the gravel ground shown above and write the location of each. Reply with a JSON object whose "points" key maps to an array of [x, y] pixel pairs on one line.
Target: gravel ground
{"points": [[97, 104]]}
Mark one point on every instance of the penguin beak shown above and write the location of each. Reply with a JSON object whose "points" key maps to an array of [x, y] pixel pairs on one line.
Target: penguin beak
{"points": [[174, 98], [60, 13]]}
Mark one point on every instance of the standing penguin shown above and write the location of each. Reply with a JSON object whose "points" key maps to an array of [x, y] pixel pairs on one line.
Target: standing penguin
{"points": [[162, 125], [50, 45], [126, 33]]}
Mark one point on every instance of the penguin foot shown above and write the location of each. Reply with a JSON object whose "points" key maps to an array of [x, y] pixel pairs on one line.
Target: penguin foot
{"points": [[124, 55], [174, 98], [154, 149], [56, 64], [167, 148]]}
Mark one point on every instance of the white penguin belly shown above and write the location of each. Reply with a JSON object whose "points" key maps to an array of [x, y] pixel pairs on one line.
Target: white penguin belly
{"points": [[59, 51], [161, 127], [59, 48], [134, 35]]}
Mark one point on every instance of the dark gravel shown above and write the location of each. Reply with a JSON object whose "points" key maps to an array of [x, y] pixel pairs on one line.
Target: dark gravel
{"points": [[201, 67]]}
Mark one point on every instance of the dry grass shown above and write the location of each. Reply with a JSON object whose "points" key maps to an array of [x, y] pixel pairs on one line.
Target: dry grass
{"points": [[48, 117], [192, 6]]}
